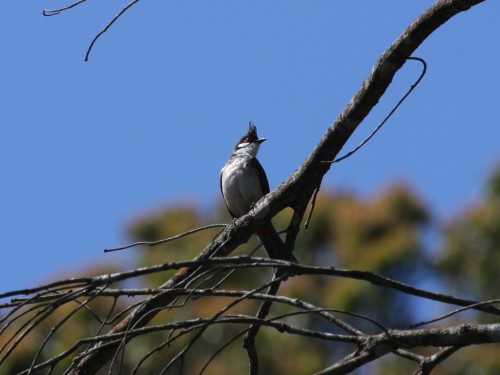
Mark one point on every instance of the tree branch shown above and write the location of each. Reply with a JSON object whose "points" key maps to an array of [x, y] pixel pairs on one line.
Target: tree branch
{"points": [[377, 346]]}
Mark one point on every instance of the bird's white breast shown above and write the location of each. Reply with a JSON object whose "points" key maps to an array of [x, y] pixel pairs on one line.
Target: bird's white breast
{"points": [[240, 185]]}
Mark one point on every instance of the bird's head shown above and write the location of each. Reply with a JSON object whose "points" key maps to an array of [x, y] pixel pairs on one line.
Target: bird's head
{"points": [[250, 142]]}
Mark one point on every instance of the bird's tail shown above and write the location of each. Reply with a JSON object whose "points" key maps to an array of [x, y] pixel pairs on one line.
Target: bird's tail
{"points": [[273, 244]]}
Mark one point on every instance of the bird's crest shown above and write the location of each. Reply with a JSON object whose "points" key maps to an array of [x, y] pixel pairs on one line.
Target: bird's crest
{"points": [[252, 132]]}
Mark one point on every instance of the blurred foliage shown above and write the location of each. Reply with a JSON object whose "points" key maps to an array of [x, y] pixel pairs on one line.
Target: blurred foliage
{"points": [[384, 233], [471, 250]]}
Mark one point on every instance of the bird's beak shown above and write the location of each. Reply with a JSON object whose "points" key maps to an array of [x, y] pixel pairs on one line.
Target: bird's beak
{"points": [[260, 140]]}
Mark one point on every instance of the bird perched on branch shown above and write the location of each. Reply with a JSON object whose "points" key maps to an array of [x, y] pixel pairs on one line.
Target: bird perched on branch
{"points": [[243, 182]]}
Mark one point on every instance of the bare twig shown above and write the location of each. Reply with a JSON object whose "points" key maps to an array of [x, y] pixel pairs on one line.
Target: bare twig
{"points": [[249, 338], [429, 363], [367, 139], [313, 205], [154, 243], [106, 28], [223, 347], [454, 312], [53, 12]]}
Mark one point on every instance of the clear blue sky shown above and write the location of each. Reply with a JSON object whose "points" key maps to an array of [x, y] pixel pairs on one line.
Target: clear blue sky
{"points": [[88, 146]]}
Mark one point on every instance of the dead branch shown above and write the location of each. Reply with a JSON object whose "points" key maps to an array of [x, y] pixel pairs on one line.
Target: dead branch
{"points": [[370, 347]]}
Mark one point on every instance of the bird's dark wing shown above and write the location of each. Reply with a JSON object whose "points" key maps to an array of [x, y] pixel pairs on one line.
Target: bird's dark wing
{"points": [[264, 183]]}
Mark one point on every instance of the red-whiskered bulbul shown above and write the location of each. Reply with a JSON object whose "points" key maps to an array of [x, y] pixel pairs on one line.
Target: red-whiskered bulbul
{"points": [[243, 182]]}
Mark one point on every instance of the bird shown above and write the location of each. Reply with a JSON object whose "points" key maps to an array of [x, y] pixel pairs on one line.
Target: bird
{"points": [[243, 182]]}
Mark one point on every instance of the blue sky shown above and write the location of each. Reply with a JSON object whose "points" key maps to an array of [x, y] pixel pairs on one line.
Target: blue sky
{"points": [[88, 146]]}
